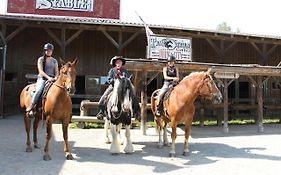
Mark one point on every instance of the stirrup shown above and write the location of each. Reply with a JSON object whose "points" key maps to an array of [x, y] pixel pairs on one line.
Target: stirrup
{"points": [[158, 113]]}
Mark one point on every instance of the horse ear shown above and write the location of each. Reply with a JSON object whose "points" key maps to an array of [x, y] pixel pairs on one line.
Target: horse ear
{"points": [[62, 62], [74, 62], [209, 71]]}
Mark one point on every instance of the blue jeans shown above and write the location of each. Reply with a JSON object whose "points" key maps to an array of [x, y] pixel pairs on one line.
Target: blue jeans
{"points": [[39, 88]]}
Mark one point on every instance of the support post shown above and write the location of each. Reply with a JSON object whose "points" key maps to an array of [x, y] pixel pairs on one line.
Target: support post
{"points": [[225, 106], [144, 103], [260, 105]]}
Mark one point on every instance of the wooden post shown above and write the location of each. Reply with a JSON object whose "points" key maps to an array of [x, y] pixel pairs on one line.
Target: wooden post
{"points": [[260, 105], [225, 106], [63, 43], [144, 103]]}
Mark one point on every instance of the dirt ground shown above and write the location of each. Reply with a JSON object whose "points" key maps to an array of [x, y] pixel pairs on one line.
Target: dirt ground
{"points": [[241, 151]]}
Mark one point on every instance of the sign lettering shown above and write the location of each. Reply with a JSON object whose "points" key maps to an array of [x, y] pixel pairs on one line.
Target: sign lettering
{"points": [[74, 5], [161, 47]]}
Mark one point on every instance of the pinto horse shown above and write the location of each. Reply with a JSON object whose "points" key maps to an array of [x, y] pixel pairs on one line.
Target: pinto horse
{"points": [[179, 106], [56, 105], [119, 111]]}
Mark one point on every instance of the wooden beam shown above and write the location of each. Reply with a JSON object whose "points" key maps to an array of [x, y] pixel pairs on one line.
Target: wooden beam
{"points": [[260, 104], [214, 46], [257, 48], [144, 103], [110, 39], [271, 49], [14, 33], [230, 46], [63, 43], [252, 80], [129, 40], [225, 106], [152, 78], [51, 33], [74, 36]]}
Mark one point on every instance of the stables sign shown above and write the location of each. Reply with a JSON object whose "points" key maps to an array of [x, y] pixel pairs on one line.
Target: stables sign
{"points": [[161, 46], [73, 5]]}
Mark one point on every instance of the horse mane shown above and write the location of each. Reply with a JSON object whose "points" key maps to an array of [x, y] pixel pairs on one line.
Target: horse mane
{"points": [[124, 85], [193, 74]]}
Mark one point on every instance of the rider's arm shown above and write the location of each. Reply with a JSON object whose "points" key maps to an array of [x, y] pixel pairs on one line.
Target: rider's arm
{"points": [[166, 77], [110, 76], [40, 69]]}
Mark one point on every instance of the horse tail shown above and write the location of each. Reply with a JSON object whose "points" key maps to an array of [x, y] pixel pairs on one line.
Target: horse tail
{"points": [[153, 100]]}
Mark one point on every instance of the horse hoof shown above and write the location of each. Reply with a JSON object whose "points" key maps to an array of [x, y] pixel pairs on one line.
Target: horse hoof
{"points": [[36, 146], [159, 146], [28, 149], [108, 142], [114, 154], [167, 144], [185, 153], [172, 154], [46, 157], [69, 156]]}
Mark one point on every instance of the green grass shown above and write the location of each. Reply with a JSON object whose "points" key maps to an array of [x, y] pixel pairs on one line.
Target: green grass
{"points": [[194, 123]]}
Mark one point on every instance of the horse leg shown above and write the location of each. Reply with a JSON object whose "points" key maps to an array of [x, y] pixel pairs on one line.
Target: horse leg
{"points": [[165, 136], [129, 146], [173, 147], [185, 145], [68, 155], [106, 129], [115, 146], [46, 155], [35, 128], [27, 124], [160, 141]]}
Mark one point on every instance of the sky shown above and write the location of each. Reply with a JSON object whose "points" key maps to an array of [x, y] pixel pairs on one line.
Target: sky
{"points": [[254, 17]]}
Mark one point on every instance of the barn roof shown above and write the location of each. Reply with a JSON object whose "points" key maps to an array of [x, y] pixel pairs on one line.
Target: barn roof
{"points": [[115, 22]]}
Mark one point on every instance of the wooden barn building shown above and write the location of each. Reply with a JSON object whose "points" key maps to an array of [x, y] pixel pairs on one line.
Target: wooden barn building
{"points": [[96, 36]]}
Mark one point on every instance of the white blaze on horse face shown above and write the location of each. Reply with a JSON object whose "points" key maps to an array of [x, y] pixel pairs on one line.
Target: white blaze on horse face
{"points": [[114, 97], [127, 101]]}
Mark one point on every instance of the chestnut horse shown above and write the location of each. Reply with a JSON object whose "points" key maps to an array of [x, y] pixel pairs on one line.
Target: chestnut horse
{"points": [[57, 105], [179, 107]]}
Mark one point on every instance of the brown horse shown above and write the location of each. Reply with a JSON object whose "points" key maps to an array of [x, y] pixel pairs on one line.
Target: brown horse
{"points": [[179, 107], [57, 105]]}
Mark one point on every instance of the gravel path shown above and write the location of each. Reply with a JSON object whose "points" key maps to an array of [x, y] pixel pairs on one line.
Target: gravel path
{"points": [[242, 151]]}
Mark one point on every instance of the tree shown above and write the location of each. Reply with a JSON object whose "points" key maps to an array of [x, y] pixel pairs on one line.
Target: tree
{"points": [[223, 27]]}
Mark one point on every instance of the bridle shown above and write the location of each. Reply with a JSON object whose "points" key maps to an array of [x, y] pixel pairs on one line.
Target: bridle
{"points": [[207, 79]]}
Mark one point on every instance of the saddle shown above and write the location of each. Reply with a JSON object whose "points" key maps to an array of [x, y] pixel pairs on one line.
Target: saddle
{"points": [[32, 88], [169, 91]]}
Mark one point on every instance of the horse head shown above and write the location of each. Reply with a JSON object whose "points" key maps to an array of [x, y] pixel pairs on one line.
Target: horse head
{"points": [[208, 88], [124, 93], [68, 75]]}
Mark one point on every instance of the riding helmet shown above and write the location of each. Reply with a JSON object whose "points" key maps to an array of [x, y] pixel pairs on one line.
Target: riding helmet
{"points": [[114, 59], [171, 58], [48, 46]]}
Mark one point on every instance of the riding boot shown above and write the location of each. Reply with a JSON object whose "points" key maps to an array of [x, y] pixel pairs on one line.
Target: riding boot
{"points": [[137, 115], [101, 113], [159, 109]]}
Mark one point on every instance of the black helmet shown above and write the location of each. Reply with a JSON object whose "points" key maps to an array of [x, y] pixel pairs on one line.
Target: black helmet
{"points": [[114, 59], [48, 46], [171, 58]]}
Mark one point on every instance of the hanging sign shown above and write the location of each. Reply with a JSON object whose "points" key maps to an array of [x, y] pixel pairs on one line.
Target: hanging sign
{"points": [[161, 46], [226, 75], [73, 5]]}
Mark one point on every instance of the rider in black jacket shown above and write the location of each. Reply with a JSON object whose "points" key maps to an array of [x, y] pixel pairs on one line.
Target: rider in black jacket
{"points": [[114, 73]]}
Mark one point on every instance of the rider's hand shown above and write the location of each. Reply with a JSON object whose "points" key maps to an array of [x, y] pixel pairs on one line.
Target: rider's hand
{"points": [[176, 79]]}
